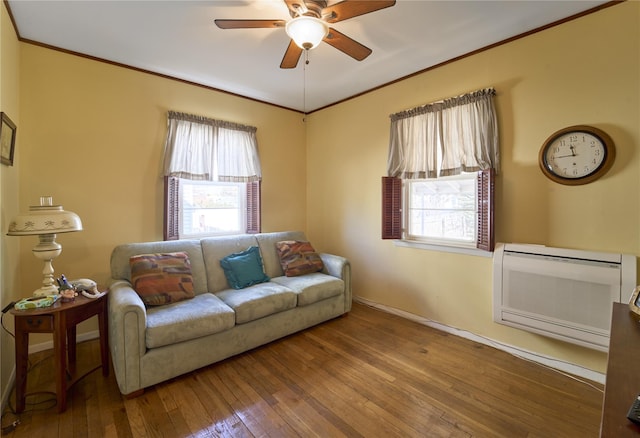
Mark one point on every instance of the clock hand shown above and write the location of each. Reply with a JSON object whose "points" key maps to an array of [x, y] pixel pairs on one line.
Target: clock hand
{"points": [[573, 150]]}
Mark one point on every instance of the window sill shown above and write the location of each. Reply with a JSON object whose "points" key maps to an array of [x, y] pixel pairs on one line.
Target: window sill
{"points": [[443, 248]]}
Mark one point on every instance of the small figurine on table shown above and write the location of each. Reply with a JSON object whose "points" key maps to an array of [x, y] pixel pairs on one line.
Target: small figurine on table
{"points": [[67, 291]]}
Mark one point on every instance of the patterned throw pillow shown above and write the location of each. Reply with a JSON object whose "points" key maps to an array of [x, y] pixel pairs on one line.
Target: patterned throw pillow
{"points": [[298, 258], [244, 269], [162, 278]]}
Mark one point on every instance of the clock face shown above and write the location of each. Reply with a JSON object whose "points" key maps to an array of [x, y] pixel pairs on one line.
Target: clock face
{"points": [[577, 155]]}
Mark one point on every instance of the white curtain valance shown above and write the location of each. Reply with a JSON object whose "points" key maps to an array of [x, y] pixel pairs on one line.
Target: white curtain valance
{"points": [[199, 148], [455, 135]]}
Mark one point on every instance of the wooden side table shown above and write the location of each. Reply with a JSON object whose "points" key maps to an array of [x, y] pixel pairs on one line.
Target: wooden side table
{"points": [[61, 320]]}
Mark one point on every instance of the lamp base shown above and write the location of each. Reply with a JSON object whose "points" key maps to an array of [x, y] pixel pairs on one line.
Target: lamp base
{"points": [[45, 291], [46, 250]]}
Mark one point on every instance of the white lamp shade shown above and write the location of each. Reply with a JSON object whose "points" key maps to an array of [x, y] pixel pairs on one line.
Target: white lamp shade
{"points": [[307, 32], [44, 219]]}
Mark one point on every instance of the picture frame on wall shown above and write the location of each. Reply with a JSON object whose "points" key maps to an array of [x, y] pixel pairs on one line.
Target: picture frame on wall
{"points": [[7, 139]]}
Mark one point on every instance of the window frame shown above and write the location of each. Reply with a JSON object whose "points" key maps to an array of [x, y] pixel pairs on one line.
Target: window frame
{"points": [[393, 220], [239, 206], [410, 209], [173, 208]]}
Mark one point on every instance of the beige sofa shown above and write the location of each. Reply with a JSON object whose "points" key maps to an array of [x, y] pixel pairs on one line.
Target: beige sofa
{"points": [[152, 344]]}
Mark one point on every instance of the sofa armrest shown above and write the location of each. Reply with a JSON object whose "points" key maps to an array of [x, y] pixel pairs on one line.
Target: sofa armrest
{"points": [[127, 331], [339, 267]]}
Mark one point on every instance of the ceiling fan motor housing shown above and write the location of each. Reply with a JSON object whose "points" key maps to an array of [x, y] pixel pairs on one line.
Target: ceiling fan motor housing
{"points": [[312, 8]]}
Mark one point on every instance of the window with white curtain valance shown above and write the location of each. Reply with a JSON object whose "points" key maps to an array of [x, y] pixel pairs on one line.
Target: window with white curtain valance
{"points": [[456, 135], [436, 153], [199, 148], [212, 178]]}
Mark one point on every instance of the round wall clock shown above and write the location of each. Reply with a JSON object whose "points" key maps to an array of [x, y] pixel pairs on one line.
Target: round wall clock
{"points": [[577, 155]]}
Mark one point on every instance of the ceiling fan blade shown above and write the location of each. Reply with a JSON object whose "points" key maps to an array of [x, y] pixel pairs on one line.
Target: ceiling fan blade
{"points": [[347, 45], [291, 56], [352, 8], [248, 24]]}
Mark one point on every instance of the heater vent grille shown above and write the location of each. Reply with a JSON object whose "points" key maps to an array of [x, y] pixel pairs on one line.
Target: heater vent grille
{"points": [[560, 293]]}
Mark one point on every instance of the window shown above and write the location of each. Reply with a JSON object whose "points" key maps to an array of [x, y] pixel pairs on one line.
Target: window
{"points": [[210, 208], [212, 178], [442, 210], [195, 209], [451, 211], [445, 155]]}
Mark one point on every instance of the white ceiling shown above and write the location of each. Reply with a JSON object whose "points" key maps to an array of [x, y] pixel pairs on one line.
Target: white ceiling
{"points": [[179, 39]]}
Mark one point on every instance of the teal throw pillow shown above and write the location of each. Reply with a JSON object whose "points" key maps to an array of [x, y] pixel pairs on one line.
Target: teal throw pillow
{"points": [[244, 268]]}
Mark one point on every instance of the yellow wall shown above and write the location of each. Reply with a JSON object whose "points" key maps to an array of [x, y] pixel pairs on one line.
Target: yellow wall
{"points": [[93, 138], [9, 246], [583, 72]]}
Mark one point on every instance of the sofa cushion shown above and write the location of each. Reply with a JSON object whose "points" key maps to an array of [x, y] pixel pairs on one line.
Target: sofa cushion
{"points": [[313, 287], [121, 266], [162, 278], [298, 258], [267, 243], [204, 315], [258, 301], [244, 268], [215, 249]]}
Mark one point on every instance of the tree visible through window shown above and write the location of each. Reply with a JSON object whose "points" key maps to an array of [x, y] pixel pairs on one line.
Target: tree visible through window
{"points": [[442, 210]]}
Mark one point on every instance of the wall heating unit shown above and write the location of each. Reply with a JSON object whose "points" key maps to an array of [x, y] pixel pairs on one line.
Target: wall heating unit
{"points": [[561, 293]]}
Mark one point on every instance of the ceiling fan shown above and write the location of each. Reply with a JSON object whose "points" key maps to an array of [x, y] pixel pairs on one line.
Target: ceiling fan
{"points": [[310, 25]]}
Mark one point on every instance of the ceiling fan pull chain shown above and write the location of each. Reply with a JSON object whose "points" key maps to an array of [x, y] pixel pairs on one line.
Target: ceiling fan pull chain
{"points": [[304, 85]]}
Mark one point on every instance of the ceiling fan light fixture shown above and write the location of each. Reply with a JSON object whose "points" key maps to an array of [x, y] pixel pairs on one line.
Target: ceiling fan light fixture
{"points": [[307, 32]]}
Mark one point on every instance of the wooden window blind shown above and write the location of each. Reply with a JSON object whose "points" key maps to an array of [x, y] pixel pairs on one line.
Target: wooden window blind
{"points": [[486, 189], [171, 208], [253, 207], [391, 207]]}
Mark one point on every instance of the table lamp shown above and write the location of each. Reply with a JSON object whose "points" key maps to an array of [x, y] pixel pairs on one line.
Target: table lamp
{"points": [[45, 220]]}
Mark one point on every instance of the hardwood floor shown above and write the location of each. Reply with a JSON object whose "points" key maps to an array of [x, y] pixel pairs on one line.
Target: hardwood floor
{"points": [[368, 374]]}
